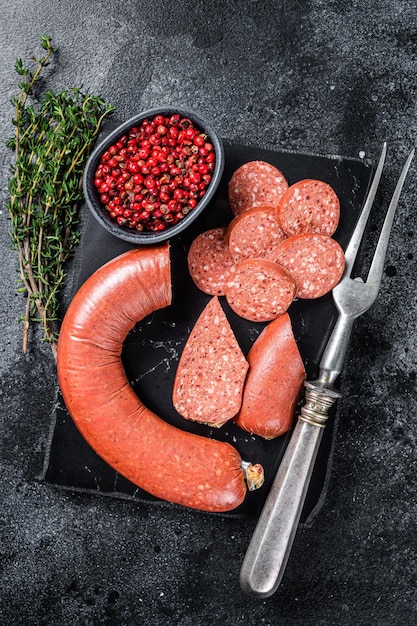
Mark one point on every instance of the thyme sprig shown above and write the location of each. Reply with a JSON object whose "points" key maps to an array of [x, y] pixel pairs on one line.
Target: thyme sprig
{"points": [[54, 135]]}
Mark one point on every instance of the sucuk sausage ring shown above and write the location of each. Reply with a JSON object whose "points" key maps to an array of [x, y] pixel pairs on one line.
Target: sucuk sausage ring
{"points": [[161, 459]]}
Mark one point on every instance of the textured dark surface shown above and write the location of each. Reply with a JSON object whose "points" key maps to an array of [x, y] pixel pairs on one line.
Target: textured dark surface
{"points": [[328, 77]]}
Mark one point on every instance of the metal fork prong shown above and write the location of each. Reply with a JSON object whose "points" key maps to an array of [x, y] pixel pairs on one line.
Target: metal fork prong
{"points": [[356, 238], [377, 265], [353, 297]]}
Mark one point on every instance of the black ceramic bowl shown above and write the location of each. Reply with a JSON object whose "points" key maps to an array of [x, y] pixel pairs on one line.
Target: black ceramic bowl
{"points": [[92, 195]]}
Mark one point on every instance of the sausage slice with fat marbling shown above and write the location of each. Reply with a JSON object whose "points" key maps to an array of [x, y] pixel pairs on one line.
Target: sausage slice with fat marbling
{"points": [[316, 261], [210, 262], [309, 206], [255, 183], [260, 290], [211, 372], [254, 233]]}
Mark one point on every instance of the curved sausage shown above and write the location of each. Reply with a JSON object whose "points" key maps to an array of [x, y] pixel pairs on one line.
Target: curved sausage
{"points": [[211, 372], [260, 290], [166, 462], [309, 206], [255, 183], [254, 233], [274, 381], [316, 261], [210, 262]]}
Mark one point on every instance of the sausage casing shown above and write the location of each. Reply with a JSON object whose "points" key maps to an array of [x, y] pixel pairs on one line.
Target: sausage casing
{"points": [[171, 464]]}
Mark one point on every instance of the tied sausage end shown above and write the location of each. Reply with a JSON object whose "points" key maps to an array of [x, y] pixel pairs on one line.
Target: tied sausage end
{"points": [[254, 475]]}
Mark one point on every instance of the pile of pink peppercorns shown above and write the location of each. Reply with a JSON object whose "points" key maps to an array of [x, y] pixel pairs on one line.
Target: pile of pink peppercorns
{"points": [[156, 173]]}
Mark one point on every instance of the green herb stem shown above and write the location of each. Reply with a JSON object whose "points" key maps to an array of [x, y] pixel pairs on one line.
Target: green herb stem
{"points": [[54, 136]]}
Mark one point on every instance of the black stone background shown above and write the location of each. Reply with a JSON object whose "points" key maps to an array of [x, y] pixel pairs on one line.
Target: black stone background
{"points": [[322, 77]]}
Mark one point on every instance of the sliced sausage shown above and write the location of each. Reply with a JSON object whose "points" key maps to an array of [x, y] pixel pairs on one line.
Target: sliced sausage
{"points": [[309, 206], [254, 233], [316, 261], [255, 183], [212, 370], [274, 381], [260, 290], [168, 463], [210, 261]]}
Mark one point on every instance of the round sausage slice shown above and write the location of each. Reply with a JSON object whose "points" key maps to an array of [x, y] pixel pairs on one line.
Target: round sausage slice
{"points": [[309, 206], [254, 233], [260, 290], [316, 261], [255, 183], [210, 261]]}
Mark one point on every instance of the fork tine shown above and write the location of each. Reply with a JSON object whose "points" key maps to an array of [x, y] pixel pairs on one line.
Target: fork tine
{"points": [[377, 265], [353, 297], [356, 238]]}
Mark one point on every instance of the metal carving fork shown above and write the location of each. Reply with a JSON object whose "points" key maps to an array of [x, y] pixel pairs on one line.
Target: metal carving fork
{"points": [[269, 549]]}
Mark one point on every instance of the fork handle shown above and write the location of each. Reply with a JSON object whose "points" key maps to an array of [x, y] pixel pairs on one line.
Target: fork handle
{"points": [[270, 546], [331, 363]]}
